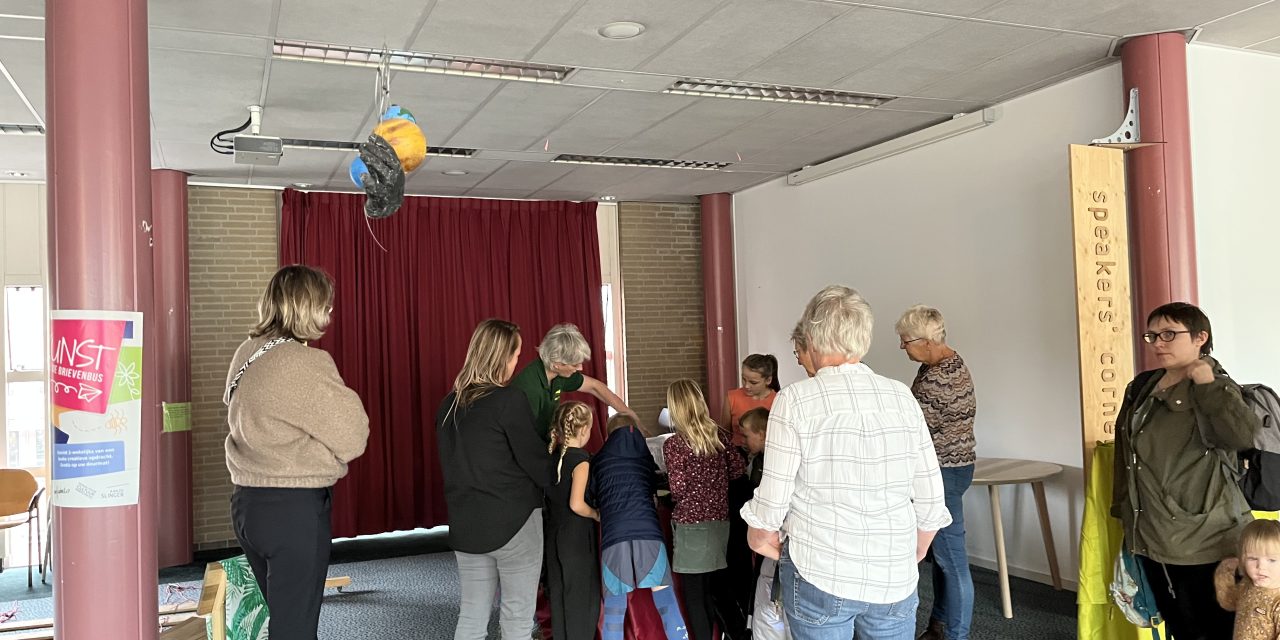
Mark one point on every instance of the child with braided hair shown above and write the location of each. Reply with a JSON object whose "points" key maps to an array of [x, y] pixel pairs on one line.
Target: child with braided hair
{"points": [[571, 551]]}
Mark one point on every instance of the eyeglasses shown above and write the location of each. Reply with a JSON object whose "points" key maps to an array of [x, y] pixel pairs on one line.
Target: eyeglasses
{"points": [[904, 343], [1165, 336]]}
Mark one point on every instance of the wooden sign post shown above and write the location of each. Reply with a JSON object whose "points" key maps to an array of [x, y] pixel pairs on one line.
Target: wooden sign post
{"points": [[1102, 289]]}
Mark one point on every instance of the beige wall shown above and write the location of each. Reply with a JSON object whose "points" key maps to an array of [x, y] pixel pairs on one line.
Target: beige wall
{"points": [[233, 240], [660, 255]]}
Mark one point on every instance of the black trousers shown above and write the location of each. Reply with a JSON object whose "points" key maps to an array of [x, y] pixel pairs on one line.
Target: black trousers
{"points": [[285, 534], [708, 602], [1186, 600], [572, 562]]}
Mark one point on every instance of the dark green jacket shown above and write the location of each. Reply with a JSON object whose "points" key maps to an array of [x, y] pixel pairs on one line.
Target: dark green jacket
{"points": [[1174, 496]]}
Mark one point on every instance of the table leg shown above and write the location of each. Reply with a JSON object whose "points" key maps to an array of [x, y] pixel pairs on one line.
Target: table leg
{"points": [[1006, 602], [1047, 532]]}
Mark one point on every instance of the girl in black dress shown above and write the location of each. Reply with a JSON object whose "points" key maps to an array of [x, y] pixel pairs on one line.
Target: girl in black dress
{"points": [[572, 553]]}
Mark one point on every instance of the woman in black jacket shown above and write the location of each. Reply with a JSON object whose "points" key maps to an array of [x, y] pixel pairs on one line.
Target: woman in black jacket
{"points": [[495, 468]]}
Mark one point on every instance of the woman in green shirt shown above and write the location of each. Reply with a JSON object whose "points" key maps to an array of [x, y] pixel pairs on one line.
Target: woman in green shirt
{"points": [[557, 370]]}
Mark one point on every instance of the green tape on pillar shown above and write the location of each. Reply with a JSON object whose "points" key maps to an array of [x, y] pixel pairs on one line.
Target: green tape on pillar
{"points": [[177, 416]]}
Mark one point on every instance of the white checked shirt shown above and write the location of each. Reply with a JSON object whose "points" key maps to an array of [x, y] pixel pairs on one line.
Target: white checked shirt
{"points": [[850, 475]]}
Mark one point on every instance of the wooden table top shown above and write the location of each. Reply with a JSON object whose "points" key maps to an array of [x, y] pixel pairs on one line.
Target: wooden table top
{"points": [[988, 471]]}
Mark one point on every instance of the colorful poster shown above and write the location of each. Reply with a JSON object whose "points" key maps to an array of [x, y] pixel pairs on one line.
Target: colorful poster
{"points": [[95, 392]]}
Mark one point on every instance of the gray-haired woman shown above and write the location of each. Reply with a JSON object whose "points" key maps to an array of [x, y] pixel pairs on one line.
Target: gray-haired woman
{"points": [[944, 390], [557, 370]]}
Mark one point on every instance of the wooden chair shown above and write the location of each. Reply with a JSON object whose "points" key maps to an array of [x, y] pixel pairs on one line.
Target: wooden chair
{"points": [[19, 505]]}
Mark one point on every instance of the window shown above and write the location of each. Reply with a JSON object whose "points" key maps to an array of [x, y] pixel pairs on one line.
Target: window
{"points": [[610, 363], [25, 385]]}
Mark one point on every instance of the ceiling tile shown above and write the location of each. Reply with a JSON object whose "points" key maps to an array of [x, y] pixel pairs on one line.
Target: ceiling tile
{"points": [[522, 114], [960, 48], [1028, 65], [1244, 29], [23, 153], [947, 7], [559, 194], [704, 121], [201, 92], [613, 119], [251, 17], [505, 194], [1270, 46], [527, 175], [431, 175], [199, 160], [23, 7], [1115, 17], [855, 40], [388, 23], [199, 41], [300, 165], [740, 35], [597, 179], [846, 137], [318, 101], [577, 43], [754, 139], [24, 59], [20, 27], [471, 27]]}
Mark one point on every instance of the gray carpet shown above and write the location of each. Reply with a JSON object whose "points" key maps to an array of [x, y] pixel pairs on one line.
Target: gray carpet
{"points": [[416, 597]]}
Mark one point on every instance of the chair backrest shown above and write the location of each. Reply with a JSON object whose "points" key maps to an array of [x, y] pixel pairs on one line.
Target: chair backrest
{"points": [[17, 487]]}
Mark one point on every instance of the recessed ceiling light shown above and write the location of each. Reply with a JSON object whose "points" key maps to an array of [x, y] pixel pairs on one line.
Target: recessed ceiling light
{"points": [[454, 172], [608, 198], [302, 185], [17, 174], [621, 30]]}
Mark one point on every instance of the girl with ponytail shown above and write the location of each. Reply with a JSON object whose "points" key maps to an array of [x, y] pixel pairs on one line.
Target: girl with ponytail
{"points": [[572, 556], [759, 387]]}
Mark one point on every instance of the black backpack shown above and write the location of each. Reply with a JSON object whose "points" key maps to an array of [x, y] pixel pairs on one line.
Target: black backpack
{"points": [[1260, 466]]}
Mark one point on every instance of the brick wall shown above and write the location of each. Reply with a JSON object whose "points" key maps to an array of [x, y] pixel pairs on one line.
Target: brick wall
{"points": [[660, 258], [233, 239]]}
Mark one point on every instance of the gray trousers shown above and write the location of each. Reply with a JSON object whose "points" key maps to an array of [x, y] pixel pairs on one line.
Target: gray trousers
{"points": [[514, 568]]}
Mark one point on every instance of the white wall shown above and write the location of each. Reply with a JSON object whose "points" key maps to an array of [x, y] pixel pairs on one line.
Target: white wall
{"points": [[979, 226], [1235, 159]]}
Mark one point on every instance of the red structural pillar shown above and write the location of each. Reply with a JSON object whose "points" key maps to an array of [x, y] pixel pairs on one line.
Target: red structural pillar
{"points": [[99, 193], [720, 305], [171, 330], [1162, 221]]}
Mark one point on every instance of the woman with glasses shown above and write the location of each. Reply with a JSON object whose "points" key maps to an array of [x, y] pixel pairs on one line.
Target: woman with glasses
{"points": [[1178, 430], [944, 389]]}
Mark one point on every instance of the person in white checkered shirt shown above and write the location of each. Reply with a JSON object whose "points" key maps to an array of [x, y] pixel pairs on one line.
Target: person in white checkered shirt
{"points": [[851, 496]]}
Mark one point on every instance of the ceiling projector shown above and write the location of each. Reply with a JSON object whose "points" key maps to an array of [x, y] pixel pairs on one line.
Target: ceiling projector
{"points": [[253, 149]]}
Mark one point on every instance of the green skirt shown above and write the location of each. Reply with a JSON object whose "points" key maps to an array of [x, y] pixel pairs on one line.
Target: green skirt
{"points": [[700, 547]]}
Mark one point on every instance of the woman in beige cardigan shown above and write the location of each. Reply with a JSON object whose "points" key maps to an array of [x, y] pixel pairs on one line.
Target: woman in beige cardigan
{"points": [[294, 426]]}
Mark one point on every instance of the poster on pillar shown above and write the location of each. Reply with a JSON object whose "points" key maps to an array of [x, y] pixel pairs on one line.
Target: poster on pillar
{"points": [[1102, 289], [95, 392]]}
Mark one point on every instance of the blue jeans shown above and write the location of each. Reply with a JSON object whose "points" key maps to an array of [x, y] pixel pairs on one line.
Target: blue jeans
{"points": [[813, 614], [952, 583]]}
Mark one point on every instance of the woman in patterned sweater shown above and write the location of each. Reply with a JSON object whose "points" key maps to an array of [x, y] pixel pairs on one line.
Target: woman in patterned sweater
{"points": [[945, 392]]}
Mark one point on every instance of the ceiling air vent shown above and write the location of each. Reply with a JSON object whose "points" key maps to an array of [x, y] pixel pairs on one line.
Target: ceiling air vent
{"points": [[642, 162], [418, 61], [337, 145], [775, 93]]}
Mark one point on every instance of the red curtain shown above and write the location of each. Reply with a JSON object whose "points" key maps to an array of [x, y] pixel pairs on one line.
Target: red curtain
{"points": [[402, 319]]}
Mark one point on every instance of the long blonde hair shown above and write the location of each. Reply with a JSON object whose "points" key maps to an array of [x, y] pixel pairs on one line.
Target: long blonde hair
{"points": [[493, 343], [693, 420], [295, 304], [569, 420]]}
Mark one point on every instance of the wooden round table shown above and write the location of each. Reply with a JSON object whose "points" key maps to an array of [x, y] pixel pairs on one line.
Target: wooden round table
{"points": [[994, 472]]}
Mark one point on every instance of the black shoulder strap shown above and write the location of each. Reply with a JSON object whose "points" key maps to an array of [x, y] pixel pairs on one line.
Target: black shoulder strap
{"points": [[235, 382]]}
